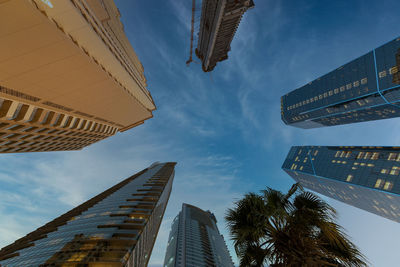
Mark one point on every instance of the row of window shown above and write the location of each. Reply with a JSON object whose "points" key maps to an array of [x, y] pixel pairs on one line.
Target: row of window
{"points": [[329, 93], [387, 185], [391, 71]]}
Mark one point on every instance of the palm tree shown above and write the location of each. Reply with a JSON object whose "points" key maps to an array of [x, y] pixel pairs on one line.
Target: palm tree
{"points": [[293, 229]]}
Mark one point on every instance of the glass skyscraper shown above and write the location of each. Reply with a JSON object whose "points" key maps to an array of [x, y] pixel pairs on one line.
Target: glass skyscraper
{"points": [[115, 228], [194, 241], [365, 89], [364, 177]]}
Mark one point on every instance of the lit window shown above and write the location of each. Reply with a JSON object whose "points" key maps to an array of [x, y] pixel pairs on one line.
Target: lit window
{"points": [[384, 171], [316, 98], [348, 154], [382, 74], [301, 168], [355, 163], [320, 96], [342, 154], [348, 86], [375, 155], [378, 183], [339, 161], [392, 156], [362, 164], [325, 95], [316, 152], [367, 155], [360, 155], [364, 80], [388, 186], [344, 162], [336, 90], [342, 88], [333, 161], [370, 165], [360, 102], [356, 84], [393, 70], [330, 93], [394, 172], [349, 178], [337, 154]]}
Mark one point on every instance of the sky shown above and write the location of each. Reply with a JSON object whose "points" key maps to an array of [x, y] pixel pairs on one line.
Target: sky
{"points": [[224, 127]]}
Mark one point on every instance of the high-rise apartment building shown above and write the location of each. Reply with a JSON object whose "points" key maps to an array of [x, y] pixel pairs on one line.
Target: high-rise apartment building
{"points": [[115, 228], [365, 89], [364, 177], [218, 24], [68, 75], [194, 241]]}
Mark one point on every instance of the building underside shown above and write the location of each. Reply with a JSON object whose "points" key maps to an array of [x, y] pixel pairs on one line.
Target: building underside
{"points": [[219, 22]]}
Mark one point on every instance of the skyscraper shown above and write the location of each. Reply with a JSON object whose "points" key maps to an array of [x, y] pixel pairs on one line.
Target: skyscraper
{"points": [[365, 89], [68, 75], [194, 241], [218, 24], [364, 177], [115, 228]]}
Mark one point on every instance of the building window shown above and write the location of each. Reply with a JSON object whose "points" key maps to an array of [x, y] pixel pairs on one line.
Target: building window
{"points": [[388, 186], [384, 171], [367, 155], [392, 156], [395, 170], [349, 178], [375, 156], [364, 80], [382, 74], [360, 155], [379, 183]]}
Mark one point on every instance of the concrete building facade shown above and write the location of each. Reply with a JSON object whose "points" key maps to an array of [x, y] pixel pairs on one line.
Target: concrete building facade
{"points": [[68, 75], [115, 228], [194, 241], [218, 24], [364, 177]]}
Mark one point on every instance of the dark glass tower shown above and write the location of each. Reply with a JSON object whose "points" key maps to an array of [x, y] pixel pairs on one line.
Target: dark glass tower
{"points": [[194, 241], [115, 228], [365, 89], [364, 177]]}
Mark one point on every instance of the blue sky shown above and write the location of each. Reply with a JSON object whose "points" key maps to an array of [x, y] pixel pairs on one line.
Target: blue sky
{"points": [[223, 128]]}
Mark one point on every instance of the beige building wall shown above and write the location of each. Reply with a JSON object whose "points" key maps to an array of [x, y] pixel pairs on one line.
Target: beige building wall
{"points": [[68, 58]]}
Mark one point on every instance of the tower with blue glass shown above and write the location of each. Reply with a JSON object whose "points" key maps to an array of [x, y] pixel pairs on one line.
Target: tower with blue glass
{"points": [[364, 177], [365, 89]]}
